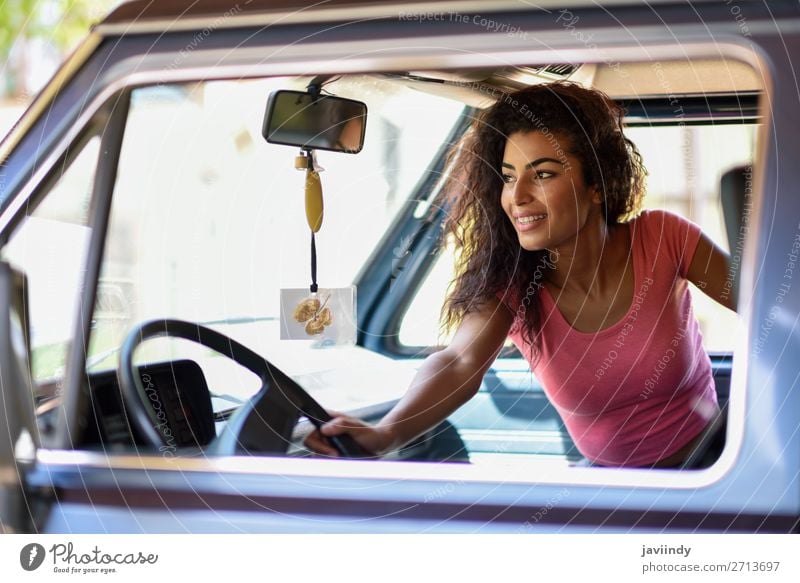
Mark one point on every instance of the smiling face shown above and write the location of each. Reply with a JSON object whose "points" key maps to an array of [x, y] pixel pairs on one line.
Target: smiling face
{"points": [[544, 195]]}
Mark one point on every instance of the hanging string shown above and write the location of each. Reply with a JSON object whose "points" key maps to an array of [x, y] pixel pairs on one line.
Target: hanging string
{"points": [[313, 264]]}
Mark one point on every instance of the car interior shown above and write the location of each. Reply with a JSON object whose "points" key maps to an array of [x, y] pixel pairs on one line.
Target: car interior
{"points": [[234, 220]]}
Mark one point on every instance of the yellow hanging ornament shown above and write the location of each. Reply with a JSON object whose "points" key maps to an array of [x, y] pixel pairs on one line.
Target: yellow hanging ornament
{"points": [[310, 310]]}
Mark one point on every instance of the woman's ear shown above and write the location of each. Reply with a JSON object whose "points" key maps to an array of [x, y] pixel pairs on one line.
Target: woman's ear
{"points": [[597, 195]]}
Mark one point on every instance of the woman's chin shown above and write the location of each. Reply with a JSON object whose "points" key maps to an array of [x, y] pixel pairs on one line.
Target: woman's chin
{"points": [[531, 242]]}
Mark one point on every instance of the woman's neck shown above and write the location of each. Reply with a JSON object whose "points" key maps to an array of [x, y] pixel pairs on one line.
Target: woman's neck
{"points": [[585, 264]]}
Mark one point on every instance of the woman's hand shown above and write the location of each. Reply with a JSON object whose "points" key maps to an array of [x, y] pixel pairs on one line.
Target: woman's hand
{"points": [[377, 440]]}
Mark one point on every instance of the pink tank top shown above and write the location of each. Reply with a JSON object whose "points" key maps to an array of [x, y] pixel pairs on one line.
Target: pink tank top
{"points": [[639, 390]]}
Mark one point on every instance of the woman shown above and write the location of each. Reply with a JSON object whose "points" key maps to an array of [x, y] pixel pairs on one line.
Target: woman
{"points": [[597, 301]]}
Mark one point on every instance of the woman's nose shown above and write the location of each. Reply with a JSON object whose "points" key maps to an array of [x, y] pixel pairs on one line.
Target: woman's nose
{"points": [[522, 192]]}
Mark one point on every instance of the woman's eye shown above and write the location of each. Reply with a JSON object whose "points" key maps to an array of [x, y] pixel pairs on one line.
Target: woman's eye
{"points": [[508, 179], [542, 174]]}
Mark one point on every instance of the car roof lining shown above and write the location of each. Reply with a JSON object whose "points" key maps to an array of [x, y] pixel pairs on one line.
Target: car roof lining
{"points": [[481, 87]]}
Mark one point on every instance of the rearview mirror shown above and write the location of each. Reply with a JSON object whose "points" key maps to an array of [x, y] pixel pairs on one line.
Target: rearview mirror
{"points": [[322, 122]]}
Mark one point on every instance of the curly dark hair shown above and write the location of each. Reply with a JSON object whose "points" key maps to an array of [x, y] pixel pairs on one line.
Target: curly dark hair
{"points": [[584, 122]]}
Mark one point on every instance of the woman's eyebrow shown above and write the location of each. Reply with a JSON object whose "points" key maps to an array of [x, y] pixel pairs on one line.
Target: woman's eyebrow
{"points": [[534, 163]]}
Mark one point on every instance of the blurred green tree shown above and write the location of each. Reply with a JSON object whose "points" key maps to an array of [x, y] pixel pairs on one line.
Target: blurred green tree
{"points": [[59, 23]]}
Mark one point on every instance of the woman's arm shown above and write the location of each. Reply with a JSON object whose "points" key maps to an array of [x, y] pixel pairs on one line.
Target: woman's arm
{"points": [[710, 271], [451, 377], [446, 380]]}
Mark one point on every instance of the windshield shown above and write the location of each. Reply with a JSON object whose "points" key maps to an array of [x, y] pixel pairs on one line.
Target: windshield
{"points": [[208, 220]]}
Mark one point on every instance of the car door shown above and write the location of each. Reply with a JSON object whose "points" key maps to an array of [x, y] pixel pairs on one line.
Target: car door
{"points": [[750, 488]]}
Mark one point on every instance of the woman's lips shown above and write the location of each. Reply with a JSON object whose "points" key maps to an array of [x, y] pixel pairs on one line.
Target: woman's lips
{"points": [[529, 222]]}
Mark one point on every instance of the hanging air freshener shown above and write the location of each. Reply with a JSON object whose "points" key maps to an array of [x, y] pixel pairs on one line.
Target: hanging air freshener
{"points": [[327, 315], [312, 310]]}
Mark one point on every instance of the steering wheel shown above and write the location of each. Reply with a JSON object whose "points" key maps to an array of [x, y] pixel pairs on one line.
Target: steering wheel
{"points": [[262, 425]]}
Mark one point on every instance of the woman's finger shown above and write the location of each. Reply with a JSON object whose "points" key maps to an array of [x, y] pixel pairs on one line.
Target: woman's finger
{"points": [[341, 424], [315, 442]]}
